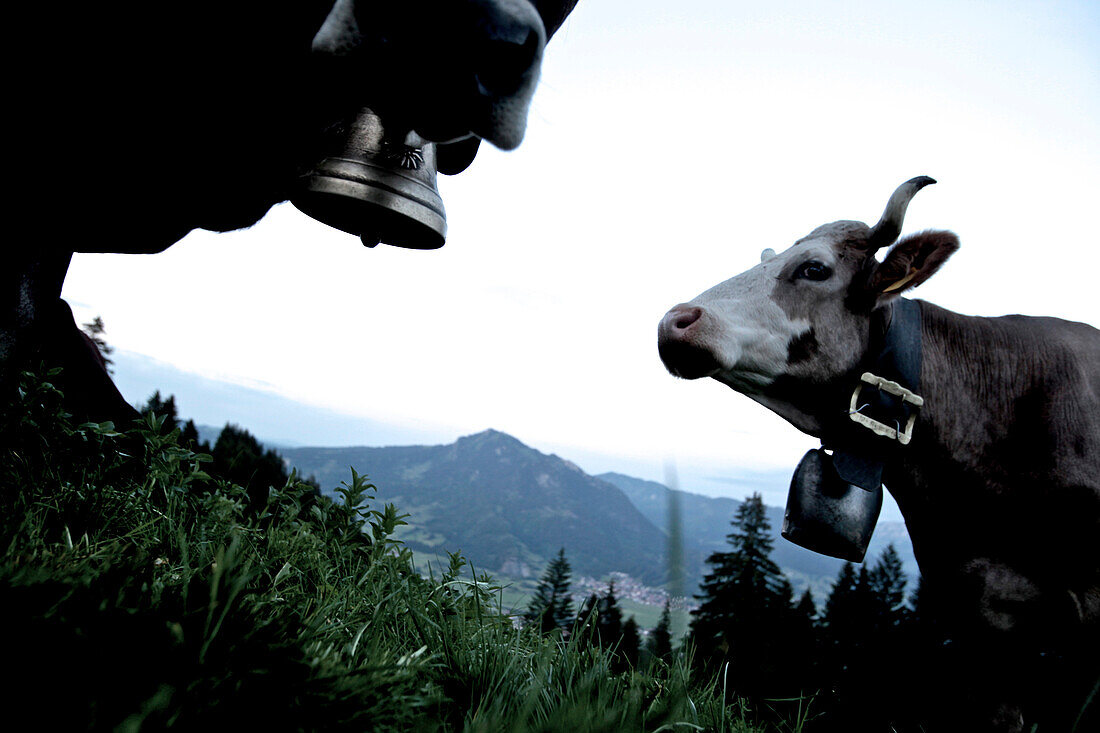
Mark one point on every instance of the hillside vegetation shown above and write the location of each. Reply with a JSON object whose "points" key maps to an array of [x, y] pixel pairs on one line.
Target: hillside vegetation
{"points": [[145, 594], [509, 507]]}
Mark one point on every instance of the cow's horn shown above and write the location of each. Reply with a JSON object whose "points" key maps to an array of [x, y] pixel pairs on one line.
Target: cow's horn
{"points": [[888, 228]]}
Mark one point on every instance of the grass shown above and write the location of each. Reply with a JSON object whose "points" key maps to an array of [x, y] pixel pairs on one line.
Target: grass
{"points": [[140, 594]]}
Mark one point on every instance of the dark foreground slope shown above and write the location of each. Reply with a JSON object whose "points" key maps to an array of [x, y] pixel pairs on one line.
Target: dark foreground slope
{"points": [[146, 596]]}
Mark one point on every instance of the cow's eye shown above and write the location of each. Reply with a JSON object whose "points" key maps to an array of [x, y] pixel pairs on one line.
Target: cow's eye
{"points": [[813, 270]]}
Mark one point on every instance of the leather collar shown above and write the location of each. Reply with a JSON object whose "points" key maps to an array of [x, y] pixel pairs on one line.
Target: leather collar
{"points": [[897, 358]]}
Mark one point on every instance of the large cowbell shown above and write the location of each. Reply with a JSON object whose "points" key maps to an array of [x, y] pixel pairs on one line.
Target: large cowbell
{"points": [[379, 184], [827, 514]]}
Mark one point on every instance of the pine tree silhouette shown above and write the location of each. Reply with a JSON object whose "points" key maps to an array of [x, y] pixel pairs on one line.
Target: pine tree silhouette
{"points": [[806, 607], [746, 612], [162, 408], [609, 619], [189, 437], [660, 639], [95, 330], [551, 607], [240, 458], [629, 645], [865, 628], [887, 586]]}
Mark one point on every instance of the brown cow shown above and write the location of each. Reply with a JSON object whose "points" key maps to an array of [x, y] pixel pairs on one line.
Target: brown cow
{"points": [[1000, 483]]}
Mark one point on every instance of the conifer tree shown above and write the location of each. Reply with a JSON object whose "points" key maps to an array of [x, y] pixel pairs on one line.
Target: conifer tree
{"points": [[745, 605], [784, 597], [601, 623], [743, 584], [164, 408], [841, 606], [887, 585], [563, 604], [629, 645], [660, 639], [609, 618], [862, 609], [863, 624], [189, 436], [551, 607], [923, 607], [917, 598], [806, 607], [803, 643], [866, 604], [588, 614], [240, 458], [804, 625], [95, 330]]}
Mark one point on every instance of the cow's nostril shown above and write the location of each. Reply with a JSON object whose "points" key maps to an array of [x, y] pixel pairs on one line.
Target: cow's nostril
{"points": [[686, 317], [682, 350], [505, 63]]}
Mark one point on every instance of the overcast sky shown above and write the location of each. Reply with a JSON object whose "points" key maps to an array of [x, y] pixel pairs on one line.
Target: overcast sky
{"points": [[669, 143]]}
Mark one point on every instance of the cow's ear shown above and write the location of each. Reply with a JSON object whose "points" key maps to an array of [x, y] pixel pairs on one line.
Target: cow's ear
{"points": [[911, 261], [553, 13]]}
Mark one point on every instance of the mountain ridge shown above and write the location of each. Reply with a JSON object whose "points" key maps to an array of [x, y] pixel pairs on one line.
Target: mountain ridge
{"points": [[502, 503], [509, 507]]}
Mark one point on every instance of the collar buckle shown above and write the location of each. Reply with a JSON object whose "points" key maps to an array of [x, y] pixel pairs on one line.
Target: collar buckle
{"points": [[907, 397]]}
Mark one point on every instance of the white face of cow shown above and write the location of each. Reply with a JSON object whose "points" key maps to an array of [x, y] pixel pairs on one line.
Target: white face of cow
{"points": [[801, 317], [450, 68], [784, 317]]}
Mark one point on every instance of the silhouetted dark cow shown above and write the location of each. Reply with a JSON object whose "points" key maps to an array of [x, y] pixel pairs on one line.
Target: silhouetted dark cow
{"points": [[136, 122], [1000, 484]]}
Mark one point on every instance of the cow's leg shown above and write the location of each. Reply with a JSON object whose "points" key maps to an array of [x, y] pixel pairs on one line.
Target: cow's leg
{"points": [[974, 680], [28, 281], [37, 326], [1070, 671], [985, 673], [1047, 638], [1023, 653]]}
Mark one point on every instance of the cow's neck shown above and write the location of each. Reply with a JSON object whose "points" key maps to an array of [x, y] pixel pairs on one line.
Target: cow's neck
{"points": [[976, 373], [822, 409]]}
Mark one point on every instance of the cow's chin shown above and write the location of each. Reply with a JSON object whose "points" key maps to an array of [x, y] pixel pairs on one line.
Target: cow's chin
{"points": [[686, 360], [804, 421], [444, 132], [505, 128], [756, 384], [745, 381], [503, 124]]}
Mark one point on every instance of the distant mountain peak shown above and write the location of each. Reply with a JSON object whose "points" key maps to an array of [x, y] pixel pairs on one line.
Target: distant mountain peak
{"points": [[491, 439], [503, 503]]}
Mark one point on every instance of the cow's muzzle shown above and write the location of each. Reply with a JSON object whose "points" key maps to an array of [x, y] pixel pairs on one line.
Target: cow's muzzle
{"points": [[678, 343]]}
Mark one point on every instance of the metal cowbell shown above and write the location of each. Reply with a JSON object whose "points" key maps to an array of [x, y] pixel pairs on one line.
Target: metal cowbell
{"points": [[827, 514], [379, 184]]}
